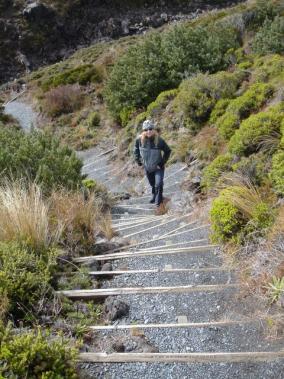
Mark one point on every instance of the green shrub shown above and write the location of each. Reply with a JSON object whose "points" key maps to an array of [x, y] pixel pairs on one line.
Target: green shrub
{"points": [[241, 107], [163, 60], [161, 101], [255, 167], [79, 75], [25, 277], [226, 220], [219, 109], [214, 170], [38, 156], [270, 38], [268, 68], [277, 172], [34, 355], [246, 139], [239, 213], [198, 95], [125, 115], [93, 120], [187, 50], [262, 217], [137, 77]]}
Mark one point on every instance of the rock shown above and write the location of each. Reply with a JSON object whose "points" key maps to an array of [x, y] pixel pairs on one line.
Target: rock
{"points": [[118, 347], [37, 12], [115, 309], [164, 17], [106, 267], [125, 26]]}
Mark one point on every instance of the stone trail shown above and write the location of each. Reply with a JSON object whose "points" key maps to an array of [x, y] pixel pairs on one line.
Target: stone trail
{"points": [[184, 302]]}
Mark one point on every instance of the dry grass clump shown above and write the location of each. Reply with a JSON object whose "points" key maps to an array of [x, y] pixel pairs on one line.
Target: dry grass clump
{"points": [[66, 217], [82, 219], [63, 99], [24, 216]]}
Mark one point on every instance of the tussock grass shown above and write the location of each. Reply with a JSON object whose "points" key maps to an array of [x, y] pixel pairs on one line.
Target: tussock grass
{"points": [[82, 218], [66, 217], [24, 216]]}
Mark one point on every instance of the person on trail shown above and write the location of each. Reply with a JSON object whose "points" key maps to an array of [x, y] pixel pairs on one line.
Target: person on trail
{"points": [[152, 152]]}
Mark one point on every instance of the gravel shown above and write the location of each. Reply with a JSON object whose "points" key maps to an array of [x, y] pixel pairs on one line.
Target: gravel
{"points": [[167, 307], [23, 113]]}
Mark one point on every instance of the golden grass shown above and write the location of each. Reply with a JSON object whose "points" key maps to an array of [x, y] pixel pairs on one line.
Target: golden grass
{"points": [[241, 192], [24, 216], [82, 218], [68, 218]]}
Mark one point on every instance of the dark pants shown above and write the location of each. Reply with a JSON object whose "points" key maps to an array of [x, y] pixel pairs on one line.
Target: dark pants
{"points": [[156, 180]]}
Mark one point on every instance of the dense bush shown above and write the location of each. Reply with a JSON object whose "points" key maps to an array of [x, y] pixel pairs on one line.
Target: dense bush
{"points": [[246, 139], [240, 212], [214, 170], [63, 99], [226, 220], [267, 68], [270, 38], [39, 157], [277, 172], [198, 95], [187, 50], [161, 102], [255, 167], [241, 107], [79, 75], [163, 60], [219, 110], [35, 356], [25, 277]]}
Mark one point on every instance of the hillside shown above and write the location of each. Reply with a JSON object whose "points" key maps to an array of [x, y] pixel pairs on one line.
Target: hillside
{"points": [[36, 33], [196, 292]]}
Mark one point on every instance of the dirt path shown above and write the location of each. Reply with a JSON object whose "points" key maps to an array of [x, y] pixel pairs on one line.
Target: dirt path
{"points": [[185, 317]]}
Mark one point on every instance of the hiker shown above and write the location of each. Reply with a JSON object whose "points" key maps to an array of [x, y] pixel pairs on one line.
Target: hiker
{"points": [[152, 152]]}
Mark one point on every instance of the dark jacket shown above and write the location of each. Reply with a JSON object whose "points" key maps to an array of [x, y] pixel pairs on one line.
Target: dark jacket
{"points": [[150, 154]]}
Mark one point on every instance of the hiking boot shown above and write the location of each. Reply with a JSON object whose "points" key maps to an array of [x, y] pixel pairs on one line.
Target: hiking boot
{"points": [[152, 201], [161, 210]]}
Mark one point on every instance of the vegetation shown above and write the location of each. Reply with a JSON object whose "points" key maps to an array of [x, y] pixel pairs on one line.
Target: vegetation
{"points": [[270, 38], [38, 156], [163, 61], [40, 356]]}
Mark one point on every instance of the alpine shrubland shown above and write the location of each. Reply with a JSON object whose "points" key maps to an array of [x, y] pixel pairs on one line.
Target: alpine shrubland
{"points": [[215, 87]]}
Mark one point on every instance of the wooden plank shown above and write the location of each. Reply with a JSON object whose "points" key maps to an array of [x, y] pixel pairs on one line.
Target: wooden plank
{"points": [[104, 292], [230, 357], [153, 240], [161, 224], [194, 249], [156, 271], [176, 325], [165, 247]]}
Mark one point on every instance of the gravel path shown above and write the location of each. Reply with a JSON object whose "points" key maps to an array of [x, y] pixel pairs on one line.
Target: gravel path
{"points": [[157, 308], [23, 113]]}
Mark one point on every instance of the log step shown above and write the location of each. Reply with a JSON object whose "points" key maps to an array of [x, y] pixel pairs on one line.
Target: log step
{"points": [[221, 357], [173, 325], [105, 257], [101, 293], [155, 271]]}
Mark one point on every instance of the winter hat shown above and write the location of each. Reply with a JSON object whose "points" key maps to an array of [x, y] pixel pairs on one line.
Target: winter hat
{"points": [[148, 124]]}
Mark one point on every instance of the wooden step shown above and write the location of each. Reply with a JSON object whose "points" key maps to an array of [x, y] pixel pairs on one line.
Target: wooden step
{"points": [[156, 271], [265, 356], [101, 293], [188, 250], [173, 325]]}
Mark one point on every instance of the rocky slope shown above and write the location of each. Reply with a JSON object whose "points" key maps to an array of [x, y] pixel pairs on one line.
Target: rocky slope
{"points": [[41, 32]]}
